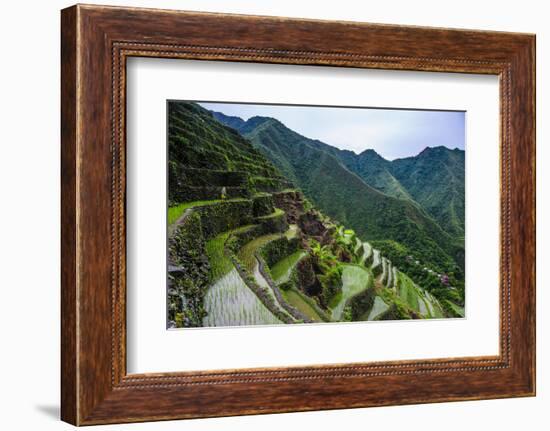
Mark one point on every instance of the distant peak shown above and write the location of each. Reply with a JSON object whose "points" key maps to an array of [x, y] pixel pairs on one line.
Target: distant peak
{"points": [[371, 155], [369, 152], [439, 149], [442, 148], [257, 120], [229, 120], [222, 115]]}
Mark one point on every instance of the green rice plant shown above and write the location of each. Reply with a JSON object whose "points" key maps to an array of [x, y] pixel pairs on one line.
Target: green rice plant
{"points": [[407, 292], [296, 299], [335, 300], [376, 265], [247, 253], [265, 285], [398, 309], [395, 279], [378, 309], [229, 302], [384, 275], [220, 264], [355, 279], [367, 254], [389, 275], [277, 213], [281, 270], [434, 306], [418, 299]]}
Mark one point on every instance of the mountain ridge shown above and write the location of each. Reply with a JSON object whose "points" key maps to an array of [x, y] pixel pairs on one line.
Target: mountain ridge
{"points": [[399, 178], [318, 169]]}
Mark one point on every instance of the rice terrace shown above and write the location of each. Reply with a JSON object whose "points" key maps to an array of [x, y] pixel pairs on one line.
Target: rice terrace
{"points": [[267, 226]]}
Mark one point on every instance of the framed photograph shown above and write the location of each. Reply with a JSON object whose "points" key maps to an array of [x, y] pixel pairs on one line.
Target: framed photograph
{"points": [[322, 214]]}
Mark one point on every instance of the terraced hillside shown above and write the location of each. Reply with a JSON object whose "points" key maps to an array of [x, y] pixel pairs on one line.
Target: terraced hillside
{"points": [[434, 179], [369, 199], [247, 248]]}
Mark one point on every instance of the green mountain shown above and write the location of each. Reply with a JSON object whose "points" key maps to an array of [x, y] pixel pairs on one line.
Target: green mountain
{"points": [[228, 120], [377, 172], [435, 178], [370, 166], [245, 247], [321, 173], [205, 157]]}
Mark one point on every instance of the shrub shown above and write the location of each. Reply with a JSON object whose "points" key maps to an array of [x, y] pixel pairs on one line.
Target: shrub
{"points": [[225, 216], [307, 280], [362, 303], [275, 250], [262, 205], [331, 284], [187, 193], [273, 223], [241, 236]]}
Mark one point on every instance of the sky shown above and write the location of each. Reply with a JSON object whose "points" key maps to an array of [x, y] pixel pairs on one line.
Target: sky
{"points": [[392, 133]]}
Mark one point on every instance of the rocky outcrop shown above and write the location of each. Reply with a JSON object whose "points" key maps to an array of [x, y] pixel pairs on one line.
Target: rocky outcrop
{"points": [[307, 279], [312, 226], [291, 202]]}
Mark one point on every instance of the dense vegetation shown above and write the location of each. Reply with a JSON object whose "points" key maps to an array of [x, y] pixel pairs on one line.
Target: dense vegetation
{"points": [[366, 196], [434, 179], [269, 227]]}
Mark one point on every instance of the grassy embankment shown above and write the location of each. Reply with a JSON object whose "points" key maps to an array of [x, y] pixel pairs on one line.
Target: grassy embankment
{"points": [[229, 301], [355, 279], [281, 272], [176, 211]]}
